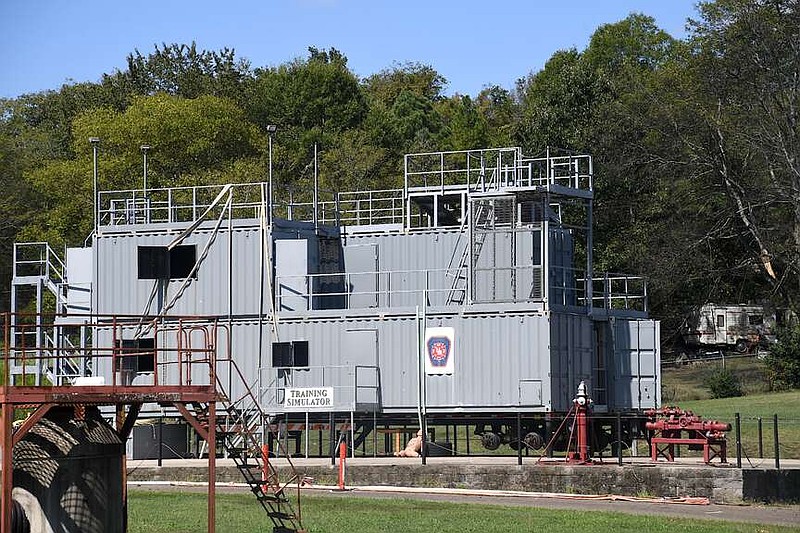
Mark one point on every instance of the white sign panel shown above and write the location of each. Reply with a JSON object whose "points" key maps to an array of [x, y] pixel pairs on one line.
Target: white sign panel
{"points": [[439, 350], [308, 399]]}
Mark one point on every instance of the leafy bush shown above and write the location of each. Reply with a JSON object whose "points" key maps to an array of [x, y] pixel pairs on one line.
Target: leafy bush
{"points": [[783, 362], [724, 384]]}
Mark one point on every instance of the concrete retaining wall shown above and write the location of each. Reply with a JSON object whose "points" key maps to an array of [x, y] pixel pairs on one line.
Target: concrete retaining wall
{"points": [[721, 484], [771, 486]]}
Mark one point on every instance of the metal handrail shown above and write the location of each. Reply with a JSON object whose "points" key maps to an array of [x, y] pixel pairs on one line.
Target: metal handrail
{"points": [[325, 376], [49, 264], [170, 347]]}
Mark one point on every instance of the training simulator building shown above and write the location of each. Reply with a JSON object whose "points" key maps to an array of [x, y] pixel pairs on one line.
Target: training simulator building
{"points": [[469, 293]]}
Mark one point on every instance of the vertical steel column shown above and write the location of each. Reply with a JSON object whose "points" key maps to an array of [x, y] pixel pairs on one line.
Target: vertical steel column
{"points": [[160, 440], [39, 363], [306, 435], [519, 438], [332, 447], [352, 436], [589, 258], [545, 255], [777, 444], [760, 439], [619, 438], [6, 475], [738, 422], [212, 464], [469, 288]]}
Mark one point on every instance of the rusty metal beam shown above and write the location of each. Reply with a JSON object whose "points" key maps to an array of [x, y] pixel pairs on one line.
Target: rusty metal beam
{"points": [[130, 419], [212, 465], [30, 422], [198, 427], [6, 475]]}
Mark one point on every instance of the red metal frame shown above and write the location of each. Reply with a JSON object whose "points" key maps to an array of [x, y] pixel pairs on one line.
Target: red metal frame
{"points": [[670, 423], [127, 399]]}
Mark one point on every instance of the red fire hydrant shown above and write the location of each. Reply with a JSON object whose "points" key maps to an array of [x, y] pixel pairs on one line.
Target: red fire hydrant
{"points": [[581, 403]]}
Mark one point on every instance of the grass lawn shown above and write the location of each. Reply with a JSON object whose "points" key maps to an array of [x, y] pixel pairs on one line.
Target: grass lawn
{"points": [[750, 408], [173, 512], [687, 382], [684, 386]]}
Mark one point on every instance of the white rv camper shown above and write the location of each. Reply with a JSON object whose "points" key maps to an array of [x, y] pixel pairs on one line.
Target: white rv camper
{"points": [[722, 327]]}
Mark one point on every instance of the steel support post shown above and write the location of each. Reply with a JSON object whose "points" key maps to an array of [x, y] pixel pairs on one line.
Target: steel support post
{"points": [[6, 475], [760, 439], [212, 464], [519, 438], [738, 422], [332, 447], [777, 443], [619, 438]]}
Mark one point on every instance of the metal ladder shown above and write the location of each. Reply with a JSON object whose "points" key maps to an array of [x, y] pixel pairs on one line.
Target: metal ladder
{"points": [[238, 433], [458, 288]]}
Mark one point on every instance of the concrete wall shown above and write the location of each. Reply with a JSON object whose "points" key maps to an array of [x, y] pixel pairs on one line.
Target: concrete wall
{"points": [[720, 485]]}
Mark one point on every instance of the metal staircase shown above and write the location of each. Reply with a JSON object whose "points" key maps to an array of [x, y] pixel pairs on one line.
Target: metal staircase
{"points": [[238, 432], [38, 271]]}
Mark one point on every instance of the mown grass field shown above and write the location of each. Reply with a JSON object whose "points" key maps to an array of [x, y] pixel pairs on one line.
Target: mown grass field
{"points": [[684, 386], [151, 512], [687, 382]]}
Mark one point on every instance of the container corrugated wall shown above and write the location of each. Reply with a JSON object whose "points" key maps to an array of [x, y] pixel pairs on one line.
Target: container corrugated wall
{"points": [[501, 361], [119, 291], [571, 356]]}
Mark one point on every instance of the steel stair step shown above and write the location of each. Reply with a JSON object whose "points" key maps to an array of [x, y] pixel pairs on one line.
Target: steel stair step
{"points": [[280, 515]]}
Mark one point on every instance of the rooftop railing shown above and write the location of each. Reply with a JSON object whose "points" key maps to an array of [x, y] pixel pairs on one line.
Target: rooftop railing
{"points": [[494, 169]]}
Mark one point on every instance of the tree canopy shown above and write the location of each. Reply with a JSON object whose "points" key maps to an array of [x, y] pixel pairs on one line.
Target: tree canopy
{"points": [[695, 141]]}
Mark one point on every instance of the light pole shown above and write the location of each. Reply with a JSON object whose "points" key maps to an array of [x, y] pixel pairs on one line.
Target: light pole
{"points": [[95, 141], [144, 148], [271, 129]]}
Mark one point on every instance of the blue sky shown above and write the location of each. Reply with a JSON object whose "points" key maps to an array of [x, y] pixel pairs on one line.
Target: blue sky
{"points": [[45, 43]]}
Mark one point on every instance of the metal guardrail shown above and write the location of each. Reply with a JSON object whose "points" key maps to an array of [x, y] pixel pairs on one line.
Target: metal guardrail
{"points": [[187, 204], [38, 259], [506, 168], [403, 288], [177, 347], [177, 204], [355, 387]]}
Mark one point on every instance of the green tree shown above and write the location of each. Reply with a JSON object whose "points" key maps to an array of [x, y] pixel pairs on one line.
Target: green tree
{"points": [[182, 70], [746, 72], [422, 80], [783, 362], [193, 142], [463, 125], [317, 93]]}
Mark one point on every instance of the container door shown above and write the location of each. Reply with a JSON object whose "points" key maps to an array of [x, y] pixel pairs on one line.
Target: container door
{"points": [[361, 281], [291, 274], [359, 355], [637, 364]]}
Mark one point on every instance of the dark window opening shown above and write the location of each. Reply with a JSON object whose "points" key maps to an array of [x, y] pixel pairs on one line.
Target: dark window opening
{"points": [[720, 321], [290, 354], [136, 355], [157, 262], [181, 261]]}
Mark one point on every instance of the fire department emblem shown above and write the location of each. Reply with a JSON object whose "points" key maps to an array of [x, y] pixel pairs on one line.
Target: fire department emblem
{"points": [[438, 350]]}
